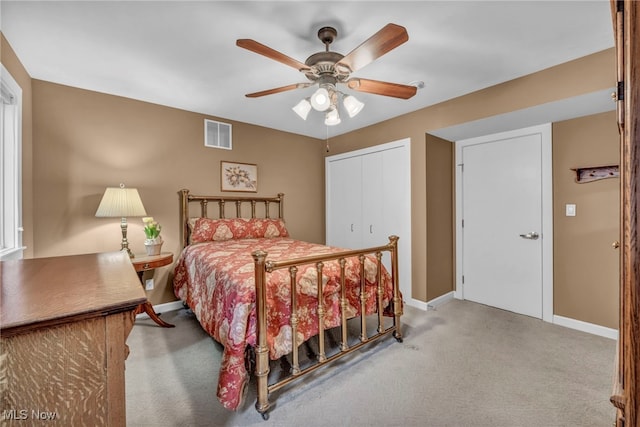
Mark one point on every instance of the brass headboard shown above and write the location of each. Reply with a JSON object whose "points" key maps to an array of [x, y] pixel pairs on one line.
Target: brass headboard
{"points": [[186, 199]]}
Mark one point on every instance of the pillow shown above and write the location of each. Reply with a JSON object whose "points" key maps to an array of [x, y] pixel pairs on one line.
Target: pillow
{"points": [[208, 229]]}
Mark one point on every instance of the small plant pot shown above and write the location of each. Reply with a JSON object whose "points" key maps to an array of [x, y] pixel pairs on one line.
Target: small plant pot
{"points": [[153, 248]]}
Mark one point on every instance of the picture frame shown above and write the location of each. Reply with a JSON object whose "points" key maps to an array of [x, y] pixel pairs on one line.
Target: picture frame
{"points": [[235, 176]]}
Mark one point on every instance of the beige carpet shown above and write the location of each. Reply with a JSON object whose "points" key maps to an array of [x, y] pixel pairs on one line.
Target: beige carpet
{"points": [[463, 364]]}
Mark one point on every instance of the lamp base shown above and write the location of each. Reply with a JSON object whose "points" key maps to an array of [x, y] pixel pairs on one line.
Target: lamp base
{"points": [[124, 246]]}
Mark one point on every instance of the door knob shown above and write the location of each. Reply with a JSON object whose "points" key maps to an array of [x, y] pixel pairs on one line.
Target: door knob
{"points": [[531, 235], [615, 245]]}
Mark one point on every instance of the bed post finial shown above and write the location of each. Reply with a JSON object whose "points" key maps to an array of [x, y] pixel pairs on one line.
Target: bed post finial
{"points": [[281, 206]]}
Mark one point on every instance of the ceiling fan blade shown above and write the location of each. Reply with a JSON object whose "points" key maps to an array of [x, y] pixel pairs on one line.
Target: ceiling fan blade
{"points": [[388, 38], [278, 90], [376, 87], [261, 49]]}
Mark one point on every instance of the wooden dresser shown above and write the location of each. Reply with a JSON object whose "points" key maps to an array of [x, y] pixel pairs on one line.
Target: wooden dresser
{"points": [[63, 326]]}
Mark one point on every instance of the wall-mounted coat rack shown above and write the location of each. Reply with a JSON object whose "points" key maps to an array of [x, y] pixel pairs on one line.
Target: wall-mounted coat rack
{"points": [[584, 175]]}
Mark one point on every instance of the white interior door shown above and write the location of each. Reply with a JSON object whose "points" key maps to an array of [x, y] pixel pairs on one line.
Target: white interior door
{"points": [[505, 205]]}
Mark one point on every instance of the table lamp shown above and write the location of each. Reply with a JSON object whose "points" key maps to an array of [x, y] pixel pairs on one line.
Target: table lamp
{"points": [[121, 202]]}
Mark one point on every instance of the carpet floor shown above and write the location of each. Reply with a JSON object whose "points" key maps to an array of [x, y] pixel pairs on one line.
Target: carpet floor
{"points": [[463, 364]]}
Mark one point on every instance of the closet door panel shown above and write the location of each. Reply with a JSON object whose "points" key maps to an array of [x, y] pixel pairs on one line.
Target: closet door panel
{"points": [[396, 209], [396, 188], [373, 198], [344, 203]]}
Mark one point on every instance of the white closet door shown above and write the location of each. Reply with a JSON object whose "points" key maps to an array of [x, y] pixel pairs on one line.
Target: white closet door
{"points": [[344, 203], [396, 188], [372, 200], [368, 195], [396, 209]]}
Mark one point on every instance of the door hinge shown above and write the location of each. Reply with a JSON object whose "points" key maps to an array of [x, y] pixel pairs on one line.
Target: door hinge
{"points": [[461, 167], [620, 91]]}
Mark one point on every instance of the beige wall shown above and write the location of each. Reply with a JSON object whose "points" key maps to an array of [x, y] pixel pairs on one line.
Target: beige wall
{"points": [[586, 266], [440, 190], [85, 141]]}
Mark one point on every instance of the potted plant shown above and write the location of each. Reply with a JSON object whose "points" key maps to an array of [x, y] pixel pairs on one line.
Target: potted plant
{"points": [[153, 242]]}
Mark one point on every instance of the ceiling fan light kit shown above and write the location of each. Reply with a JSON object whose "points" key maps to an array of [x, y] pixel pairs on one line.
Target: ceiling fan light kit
{"points": [[352, 104], [329, 69], [302, 108], [321, 99], [332, 118]]}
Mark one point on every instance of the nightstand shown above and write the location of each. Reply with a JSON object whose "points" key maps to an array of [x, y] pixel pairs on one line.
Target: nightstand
{"points": [[142, 263]]}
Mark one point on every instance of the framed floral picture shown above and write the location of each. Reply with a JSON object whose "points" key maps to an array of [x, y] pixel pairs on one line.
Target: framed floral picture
{"points": [[238, 176]]}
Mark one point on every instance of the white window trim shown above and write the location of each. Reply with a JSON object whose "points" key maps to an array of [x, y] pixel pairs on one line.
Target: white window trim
{"points": [[15, 250]]}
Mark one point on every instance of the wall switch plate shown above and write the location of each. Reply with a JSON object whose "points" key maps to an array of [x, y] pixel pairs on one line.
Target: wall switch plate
{"points": [[148, 284], [570, 210]]}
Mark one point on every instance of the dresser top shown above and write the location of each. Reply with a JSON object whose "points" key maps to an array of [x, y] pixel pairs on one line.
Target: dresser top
{"points": [[48, 291]]}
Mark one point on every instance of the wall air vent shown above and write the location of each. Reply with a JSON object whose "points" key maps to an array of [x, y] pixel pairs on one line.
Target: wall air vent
{"points": [[217, 134]]}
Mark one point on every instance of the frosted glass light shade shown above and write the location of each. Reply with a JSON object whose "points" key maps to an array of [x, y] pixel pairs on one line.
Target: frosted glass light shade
{"points": [[302, 108], [332, 118], [120, 202], [320, 99], [352, 105]]}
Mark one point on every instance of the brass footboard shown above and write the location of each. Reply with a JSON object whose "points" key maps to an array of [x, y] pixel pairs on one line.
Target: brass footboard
{"points": [[262, 267]]}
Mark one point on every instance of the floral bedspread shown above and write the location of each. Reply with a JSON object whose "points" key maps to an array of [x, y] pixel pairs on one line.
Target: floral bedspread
{"points": [[216, 279]]}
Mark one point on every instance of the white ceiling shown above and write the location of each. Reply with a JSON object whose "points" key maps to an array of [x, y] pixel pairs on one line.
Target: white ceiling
{"points": [[183, 53]]}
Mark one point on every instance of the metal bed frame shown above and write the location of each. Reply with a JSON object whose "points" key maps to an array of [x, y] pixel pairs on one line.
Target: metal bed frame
{"points": [[263, 266]]}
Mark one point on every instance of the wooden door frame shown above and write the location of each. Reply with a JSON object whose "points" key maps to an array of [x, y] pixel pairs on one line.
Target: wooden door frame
{"points": [[626, 15]]}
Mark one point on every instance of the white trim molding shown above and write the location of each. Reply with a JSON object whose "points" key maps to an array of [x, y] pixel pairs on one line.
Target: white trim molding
{"points": [[11, 229], [442, 299], [590, 328], [431, 304]]}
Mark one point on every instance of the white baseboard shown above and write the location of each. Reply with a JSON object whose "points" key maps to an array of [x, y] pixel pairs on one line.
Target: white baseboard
{"points": [[579, 325], [434, 303], [586, 327], [163, 308], [430, 305]]}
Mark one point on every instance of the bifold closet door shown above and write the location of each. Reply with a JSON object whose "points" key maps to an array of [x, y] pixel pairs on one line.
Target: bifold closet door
{"points": [[373, 227], [368, 198], [344, 202]]}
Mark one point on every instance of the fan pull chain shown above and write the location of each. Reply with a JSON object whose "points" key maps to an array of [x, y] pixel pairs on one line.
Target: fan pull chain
{"points": [[327, 139]]}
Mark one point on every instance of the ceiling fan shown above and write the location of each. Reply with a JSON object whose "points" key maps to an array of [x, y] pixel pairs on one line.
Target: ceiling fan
{"points": [[329, 69]]}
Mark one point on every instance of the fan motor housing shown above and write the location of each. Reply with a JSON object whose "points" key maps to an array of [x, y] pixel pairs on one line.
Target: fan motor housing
{"points": [[322, 63]]}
